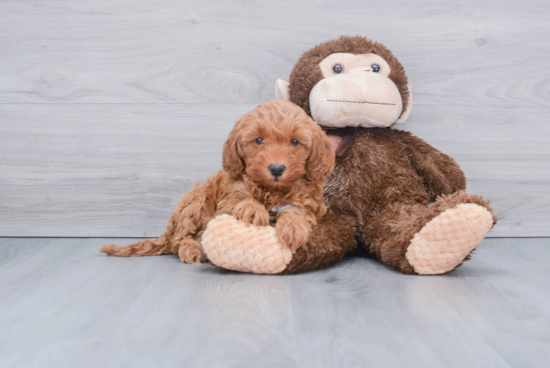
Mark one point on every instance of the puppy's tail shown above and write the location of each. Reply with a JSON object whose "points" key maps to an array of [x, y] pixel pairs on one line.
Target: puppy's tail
{"points": [[147, 247], [185, 221]]}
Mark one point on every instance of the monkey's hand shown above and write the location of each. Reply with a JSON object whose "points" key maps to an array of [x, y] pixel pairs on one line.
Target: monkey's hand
{"points": [[251, 212]]}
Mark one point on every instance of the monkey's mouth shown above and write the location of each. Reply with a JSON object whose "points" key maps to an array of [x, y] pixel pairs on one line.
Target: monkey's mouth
{"points": [[363, 102]]}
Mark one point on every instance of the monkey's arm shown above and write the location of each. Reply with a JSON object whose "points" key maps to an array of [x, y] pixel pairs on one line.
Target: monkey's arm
{"points": [[441, 173], [230, 244]]}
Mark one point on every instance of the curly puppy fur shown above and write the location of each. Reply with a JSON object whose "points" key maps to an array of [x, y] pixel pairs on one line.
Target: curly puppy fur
{"points": [[247, 189]]}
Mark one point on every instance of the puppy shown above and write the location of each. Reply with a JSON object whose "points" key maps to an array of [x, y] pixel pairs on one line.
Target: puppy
{"points": [[276, 160]]}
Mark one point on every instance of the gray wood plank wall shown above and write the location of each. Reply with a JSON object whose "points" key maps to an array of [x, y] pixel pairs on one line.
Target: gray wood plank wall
{"points": [[110, 110]]}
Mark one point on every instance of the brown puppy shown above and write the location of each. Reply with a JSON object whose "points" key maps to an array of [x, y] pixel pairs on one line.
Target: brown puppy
{"points": [[276, 158]]}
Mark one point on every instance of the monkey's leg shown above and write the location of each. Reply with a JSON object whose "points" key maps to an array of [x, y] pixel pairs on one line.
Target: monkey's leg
{"points": [[329, 241], [231, 245], [416, 239]]}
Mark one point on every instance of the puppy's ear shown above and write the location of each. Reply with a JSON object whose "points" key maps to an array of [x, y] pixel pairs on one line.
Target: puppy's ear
{"points": [[232, 162], [321, 159]]}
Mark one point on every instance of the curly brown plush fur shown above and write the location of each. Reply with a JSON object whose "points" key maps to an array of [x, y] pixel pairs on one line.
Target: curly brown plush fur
{"points": [[276, 132], [385, 188], [380, 195]]}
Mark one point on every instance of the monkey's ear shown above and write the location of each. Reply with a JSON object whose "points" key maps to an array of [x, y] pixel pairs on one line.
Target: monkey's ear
{"points": [[281, 89], [407, 112], [232, 162]]}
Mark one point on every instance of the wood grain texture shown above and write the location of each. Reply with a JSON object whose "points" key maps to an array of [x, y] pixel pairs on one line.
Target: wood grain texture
{"points": [[111, 109], [63, 305], [207, 51], [100, 170], [118, 170]]}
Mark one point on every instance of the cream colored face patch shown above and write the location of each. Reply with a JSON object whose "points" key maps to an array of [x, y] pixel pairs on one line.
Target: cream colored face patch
{"points": [[355, 92], [341, 63]]}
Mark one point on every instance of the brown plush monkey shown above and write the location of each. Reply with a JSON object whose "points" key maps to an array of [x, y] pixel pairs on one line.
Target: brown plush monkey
{"points": [[391, 193]]}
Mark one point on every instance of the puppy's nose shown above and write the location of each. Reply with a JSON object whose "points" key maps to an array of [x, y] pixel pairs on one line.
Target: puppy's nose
{"points": [[276, 170]]}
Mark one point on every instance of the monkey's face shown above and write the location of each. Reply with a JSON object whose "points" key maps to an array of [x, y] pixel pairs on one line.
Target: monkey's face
{"points": [[355, 91], [349, 82]]}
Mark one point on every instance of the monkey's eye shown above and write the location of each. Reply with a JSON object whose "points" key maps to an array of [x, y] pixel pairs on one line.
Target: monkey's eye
{"points": [[375, 68], [337, 69], [294, 142], [258, 141]]}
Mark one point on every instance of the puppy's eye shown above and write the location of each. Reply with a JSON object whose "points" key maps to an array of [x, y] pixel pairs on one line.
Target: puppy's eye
{"points": [[337, 69], [375, 68], [294, 142], [258, 141]]}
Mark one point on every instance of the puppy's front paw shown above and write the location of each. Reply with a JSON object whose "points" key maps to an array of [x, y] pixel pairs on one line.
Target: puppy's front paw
{"points": [[292, 230], [251, 213]]}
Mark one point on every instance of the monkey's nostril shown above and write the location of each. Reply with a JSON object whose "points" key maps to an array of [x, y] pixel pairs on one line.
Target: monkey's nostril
{"points": [[276, 170]]}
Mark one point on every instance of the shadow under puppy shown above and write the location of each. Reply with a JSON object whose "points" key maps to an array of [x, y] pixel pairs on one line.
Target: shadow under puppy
{"points": [[275, 163]]}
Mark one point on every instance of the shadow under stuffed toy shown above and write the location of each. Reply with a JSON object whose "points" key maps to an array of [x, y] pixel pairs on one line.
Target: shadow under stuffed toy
{"points": [[390, 192]]}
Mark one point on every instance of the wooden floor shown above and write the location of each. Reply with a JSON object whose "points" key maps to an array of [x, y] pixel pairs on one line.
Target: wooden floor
{"points": [[63, 305]]}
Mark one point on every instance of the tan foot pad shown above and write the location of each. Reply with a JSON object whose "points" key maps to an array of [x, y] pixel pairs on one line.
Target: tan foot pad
{"points": [[448, 238], [232, 245]]}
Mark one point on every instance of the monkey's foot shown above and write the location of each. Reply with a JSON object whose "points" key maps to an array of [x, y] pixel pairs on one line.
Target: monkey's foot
{"points": [[444, 242], [232, 245]]}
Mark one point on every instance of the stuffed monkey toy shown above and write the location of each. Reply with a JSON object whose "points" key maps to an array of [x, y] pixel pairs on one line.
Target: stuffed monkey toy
{"points": [[391, 193]]}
